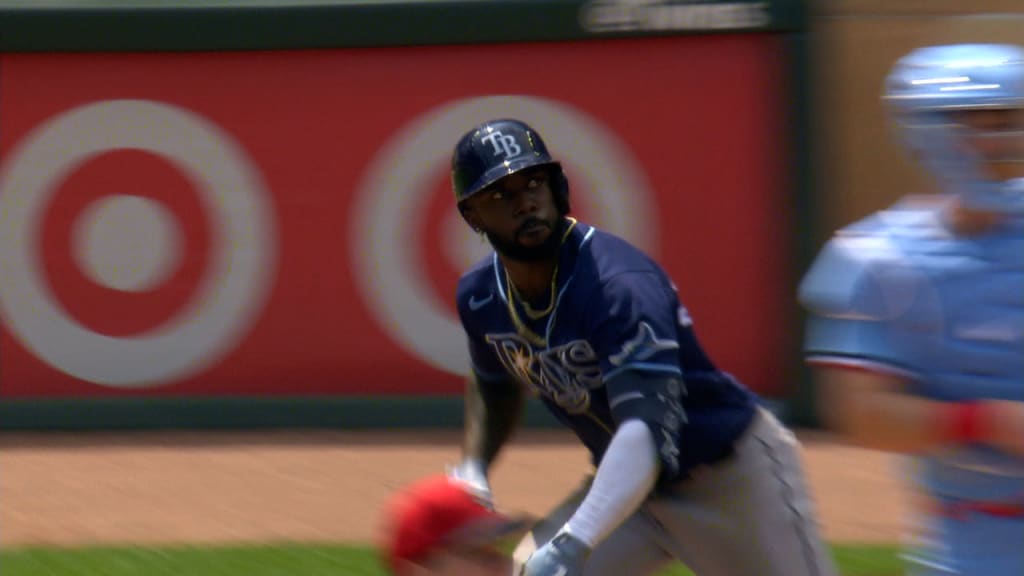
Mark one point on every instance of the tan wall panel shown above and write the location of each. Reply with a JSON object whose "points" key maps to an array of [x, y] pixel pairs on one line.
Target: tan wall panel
{"points": [[862, 167], [917, 7]]}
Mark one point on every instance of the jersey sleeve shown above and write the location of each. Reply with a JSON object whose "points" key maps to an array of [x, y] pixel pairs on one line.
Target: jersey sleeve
{"points": [[635, 318], [856, 293], [633, 325]]}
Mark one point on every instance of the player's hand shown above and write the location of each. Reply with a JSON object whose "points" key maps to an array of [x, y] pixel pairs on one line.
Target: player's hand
{"points": [[1006, 423], [472, 474], [564, 555]]}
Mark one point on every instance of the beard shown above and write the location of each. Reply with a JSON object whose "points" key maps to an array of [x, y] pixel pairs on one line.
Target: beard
{"points": [[514, 250]]}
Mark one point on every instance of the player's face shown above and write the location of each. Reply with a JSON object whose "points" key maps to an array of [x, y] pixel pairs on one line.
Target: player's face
{"points": [[518, 215], [997, 138]]}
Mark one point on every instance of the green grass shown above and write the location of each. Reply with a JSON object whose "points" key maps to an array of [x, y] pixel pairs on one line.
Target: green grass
{"points": [[288, 560]]}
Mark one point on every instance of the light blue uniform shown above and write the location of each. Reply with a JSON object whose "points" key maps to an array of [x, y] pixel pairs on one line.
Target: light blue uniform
{"points": [[898, 293]]}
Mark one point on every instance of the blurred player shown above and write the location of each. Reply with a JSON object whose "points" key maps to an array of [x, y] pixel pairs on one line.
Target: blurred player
{"points": [[438, 527], [917, 312], [688, 466]]}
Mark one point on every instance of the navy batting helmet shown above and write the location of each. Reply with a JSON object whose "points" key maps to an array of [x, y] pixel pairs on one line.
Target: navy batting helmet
{"points": [[498, 148]]}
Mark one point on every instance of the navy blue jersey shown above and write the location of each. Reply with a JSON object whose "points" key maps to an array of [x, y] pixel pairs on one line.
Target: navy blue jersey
{"points": [[615, 311]]}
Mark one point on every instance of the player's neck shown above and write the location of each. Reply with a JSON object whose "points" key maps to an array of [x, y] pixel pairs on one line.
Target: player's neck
{"points": [[531, 279]]}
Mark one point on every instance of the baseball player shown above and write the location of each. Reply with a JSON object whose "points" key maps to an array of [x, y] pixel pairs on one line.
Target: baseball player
{"points": [[437, 526], [917, 312], [688, 467]]}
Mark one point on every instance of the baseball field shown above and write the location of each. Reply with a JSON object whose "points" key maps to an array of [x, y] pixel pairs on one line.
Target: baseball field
{"points": [[307, 503]]}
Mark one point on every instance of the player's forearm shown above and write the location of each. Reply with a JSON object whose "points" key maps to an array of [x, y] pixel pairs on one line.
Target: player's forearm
{"points": [[874, 411], [626, 476], [894, 422], [492, 414]]}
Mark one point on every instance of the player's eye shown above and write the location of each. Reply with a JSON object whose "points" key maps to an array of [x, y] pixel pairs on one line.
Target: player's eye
{"points": [[497, 195], [533, 183]]}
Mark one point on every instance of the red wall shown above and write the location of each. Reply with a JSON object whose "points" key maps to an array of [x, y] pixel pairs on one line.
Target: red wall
{"points": [[275, 174]]}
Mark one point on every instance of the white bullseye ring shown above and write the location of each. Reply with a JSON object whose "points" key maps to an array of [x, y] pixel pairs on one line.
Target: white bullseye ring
{"points": [[396, 189], [230, 293]]}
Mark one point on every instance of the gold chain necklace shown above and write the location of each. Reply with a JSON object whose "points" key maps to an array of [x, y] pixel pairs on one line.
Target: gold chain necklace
{"points": [[534, 314], [521, 327], [513, 294]]}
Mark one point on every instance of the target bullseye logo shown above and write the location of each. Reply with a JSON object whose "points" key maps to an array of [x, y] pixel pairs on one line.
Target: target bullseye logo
{"points": [[127, 243], [81, 269], [398, 185]]}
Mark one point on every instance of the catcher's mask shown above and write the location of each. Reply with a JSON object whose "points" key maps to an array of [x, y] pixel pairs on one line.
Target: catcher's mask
{"points": [[925, 88]]}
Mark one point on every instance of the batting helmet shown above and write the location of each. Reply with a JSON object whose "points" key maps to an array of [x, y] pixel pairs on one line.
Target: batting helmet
{"points": [[498, 148]]}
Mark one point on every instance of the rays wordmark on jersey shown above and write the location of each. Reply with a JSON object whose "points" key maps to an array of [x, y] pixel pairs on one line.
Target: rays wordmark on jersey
{"points": [[565, 373]]}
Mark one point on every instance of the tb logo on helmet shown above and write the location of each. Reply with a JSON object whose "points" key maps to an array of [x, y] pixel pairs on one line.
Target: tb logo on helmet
{"points": [[503, 144]]}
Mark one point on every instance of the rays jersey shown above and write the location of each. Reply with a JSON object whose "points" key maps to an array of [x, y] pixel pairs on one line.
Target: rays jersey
{"points": [[614, 311], [898, 293]]}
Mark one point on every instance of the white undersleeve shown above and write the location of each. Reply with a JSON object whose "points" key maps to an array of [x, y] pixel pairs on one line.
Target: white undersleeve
{"points": [[626, 476]]}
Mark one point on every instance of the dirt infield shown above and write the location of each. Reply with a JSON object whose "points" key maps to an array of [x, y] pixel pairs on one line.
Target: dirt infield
{"points": [[328, 486]]}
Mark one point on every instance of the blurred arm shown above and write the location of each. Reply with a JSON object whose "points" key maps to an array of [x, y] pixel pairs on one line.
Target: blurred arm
{"points": [[874, 410], [493, 409]]}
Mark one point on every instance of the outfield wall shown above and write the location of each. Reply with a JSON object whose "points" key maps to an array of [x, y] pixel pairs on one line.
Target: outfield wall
{"points": [[235, 214], [862, 167]]}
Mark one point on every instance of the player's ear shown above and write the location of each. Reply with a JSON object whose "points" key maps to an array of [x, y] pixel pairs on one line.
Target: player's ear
{"points": [[471, 218]]}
